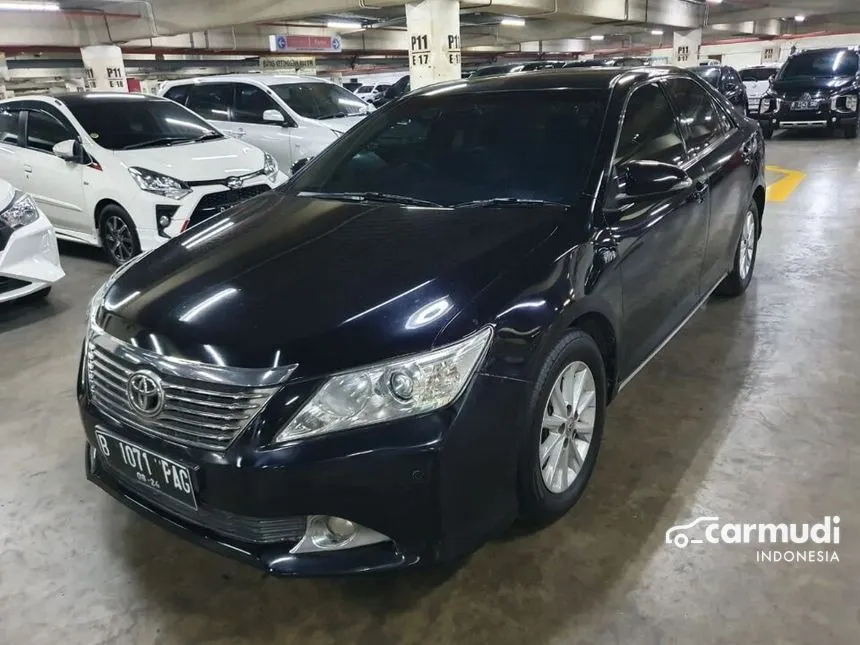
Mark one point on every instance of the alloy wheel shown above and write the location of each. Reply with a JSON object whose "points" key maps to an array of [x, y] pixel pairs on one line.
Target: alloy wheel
{"points": [[118, 239], [747, 247], [568, 427]]}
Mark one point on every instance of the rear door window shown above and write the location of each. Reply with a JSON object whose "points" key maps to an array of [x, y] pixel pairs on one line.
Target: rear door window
{"points": [[178, 94], [212, 100], [699, 115], [44, 131], [9, 129]]}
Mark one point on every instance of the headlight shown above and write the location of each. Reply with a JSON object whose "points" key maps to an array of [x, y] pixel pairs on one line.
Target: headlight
{"points": [[154, 182], [400, 388], [20, 212], [270, 168]]}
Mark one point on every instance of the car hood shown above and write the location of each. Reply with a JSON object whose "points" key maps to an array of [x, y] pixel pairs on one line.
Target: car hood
{"points": [[814, 86], [202, 161], [343, 124], [325, 284]]}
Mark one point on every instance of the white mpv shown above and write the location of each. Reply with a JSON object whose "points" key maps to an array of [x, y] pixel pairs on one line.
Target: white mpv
{"points": [[290, 117], [125, 171]]}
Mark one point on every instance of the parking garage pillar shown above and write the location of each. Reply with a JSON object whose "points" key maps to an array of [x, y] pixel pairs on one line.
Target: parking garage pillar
{"points": [[104, 67], [685, 47], [434, 41], [4, 75]]}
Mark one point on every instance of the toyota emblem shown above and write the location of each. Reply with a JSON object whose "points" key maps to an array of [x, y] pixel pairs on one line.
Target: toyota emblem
{"points": [[235, 183], [145, 393]]}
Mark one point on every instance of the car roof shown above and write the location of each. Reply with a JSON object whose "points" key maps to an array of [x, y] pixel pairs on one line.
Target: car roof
{"points": [[593, 78], [818, 50], [78, 98], [265, 79]]}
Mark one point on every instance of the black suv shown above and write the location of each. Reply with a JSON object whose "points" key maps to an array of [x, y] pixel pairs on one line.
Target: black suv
{"points": [[727, 82], [817, 88]]}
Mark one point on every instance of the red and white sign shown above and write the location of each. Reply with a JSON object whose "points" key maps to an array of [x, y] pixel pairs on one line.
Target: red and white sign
{"points": [[284, 43]]}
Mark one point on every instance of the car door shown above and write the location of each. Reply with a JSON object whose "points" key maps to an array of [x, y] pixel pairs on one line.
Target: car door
{"points": [[11, 139], [722, 155], [251, 102], [214, 102], [55, 184], [660, 239]]}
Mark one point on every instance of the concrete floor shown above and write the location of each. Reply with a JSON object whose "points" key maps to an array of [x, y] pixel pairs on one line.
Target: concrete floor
{"points": [[750, 414]]}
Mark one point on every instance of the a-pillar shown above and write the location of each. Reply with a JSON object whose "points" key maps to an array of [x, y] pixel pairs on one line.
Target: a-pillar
{"points": [[685, 47], [434, 41], [105, 70]]}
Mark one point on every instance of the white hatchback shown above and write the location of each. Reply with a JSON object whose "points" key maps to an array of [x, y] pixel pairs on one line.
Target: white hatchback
{"points": [[290, 117], [29, 261], [125, 171], [370, 92]]}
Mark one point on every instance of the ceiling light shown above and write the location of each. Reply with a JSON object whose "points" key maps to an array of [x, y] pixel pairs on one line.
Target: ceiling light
{"points": [[715, 1], [597, 37], [344, 24], [656, 32], [514, 22], [800, 18], [29, 6]]}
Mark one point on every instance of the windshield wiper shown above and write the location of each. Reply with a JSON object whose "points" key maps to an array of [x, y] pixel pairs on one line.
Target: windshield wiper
{"points": [[336, 115], [161, 141], [371, 197], [209, 135], [508, 201]]}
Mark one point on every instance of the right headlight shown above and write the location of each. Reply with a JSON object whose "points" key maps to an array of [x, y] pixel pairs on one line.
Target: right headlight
{"points": [[20, 211], [400, 388]]}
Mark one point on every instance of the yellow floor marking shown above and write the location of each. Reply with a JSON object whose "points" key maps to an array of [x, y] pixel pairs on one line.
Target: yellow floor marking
{"points": [[782, 188]]}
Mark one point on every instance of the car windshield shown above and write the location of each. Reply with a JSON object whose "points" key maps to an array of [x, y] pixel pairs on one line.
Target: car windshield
{"points": [[820, 64], [449, 150], [127, 123], [364, 89], [710, 74], [317, 100], [757, 74]]}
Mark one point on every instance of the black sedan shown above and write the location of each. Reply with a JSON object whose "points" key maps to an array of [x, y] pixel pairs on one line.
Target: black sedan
{"points": [[727, 82], [414, 341]]}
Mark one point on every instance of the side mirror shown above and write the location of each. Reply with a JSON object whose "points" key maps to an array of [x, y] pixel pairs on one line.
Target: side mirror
{"points": [[638, 179], [69, 150], [770, 79], [273, 116], [301, 163]]}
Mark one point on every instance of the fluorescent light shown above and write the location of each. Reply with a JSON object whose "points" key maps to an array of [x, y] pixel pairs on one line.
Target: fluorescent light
{"points": [[343, 24], [597, 37], [29, 6], [656, 32], [800, 18], [514, 22], [715, 1]]}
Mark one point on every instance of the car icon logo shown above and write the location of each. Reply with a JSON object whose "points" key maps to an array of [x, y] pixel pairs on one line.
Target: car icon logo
{"points": [[145, 393], [235, 183], [676, 535]]}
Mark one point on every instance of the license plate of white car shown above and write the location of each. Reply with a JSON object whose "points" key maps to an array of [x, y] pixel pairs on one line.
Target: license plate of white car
{"points": [[150, 469]]}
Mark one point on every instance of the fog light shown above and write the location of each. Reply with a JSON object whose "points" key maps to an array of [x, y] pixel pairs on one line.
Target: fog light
{"points": [[329, 533], [164, 221]]}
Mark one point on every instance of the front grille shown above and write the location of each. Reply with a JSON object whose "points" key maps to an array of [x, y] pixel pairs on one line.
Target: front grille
{"points": [[198, 414], [213, 203], [11, 284], [256, 530]]}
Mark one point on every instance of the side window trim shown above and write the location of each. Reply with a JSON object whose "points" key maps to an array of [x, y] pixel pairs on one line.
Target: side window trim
{"points": [[237, 88], [17, 111]]}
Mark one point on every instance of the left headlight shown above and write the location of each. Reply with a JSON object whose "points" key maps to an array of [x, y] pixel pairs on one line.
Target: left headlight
{"points": [[270, 168], [400, 388], [155, 182], [20, 212]]}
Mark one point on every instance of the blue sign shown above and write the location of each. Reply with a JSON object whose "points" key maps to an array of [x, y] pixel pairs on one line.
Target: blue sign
{"points": [[281, 42], [335, 44]]}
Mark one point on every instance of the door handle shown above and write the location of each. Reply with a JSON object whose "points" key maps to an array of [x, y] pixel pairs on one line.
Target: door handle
{"points": [[28, 168], [700, 191]]}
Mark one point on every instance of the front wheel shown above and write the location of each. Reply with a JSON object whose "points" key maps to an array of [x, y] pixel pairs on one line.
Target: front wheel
{"points": [[851, 130], [767, 131], [118, 234], [566, 417], [737, 281]]}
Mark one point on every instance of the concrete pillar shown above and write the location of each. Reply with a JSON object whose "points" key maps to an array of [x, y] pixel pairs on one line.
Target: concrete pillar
{"points": [[105, 68], [685, 47], [434, 41], [4, 75]]}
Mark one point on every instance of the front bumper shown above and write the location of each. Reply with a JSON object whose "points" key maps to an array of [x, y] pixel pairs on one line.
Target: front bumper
{"points": [[437, 485], [822, 117], [29, 260]]}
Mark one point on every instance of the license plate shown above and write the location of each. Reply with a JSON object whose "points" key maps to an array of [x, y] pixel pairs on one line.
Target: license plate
{"points": [[165, 475], [804, 105], [753, 109]]}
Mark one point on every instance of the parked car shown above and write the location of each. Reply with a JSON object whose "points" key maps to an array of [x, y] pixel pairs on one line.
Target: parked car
{"points": [[289, 117], [727, 82], [414, 341], [757, 80], [29, 260], [125, 171], [610, 62], [399, 88], [513, 68], [370, 92], [816, 88]]}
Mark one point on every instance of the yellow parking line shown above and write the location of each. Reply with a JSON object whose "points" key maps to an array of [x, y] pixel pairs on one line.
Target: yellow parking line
{"points": [[782, 188]]}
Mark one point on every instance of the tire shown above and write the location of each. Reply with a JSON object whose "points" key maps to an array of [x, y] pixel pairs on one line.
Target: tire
{"points": [[767, 132], [737, 281], [115, 223], [574, 355]]}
